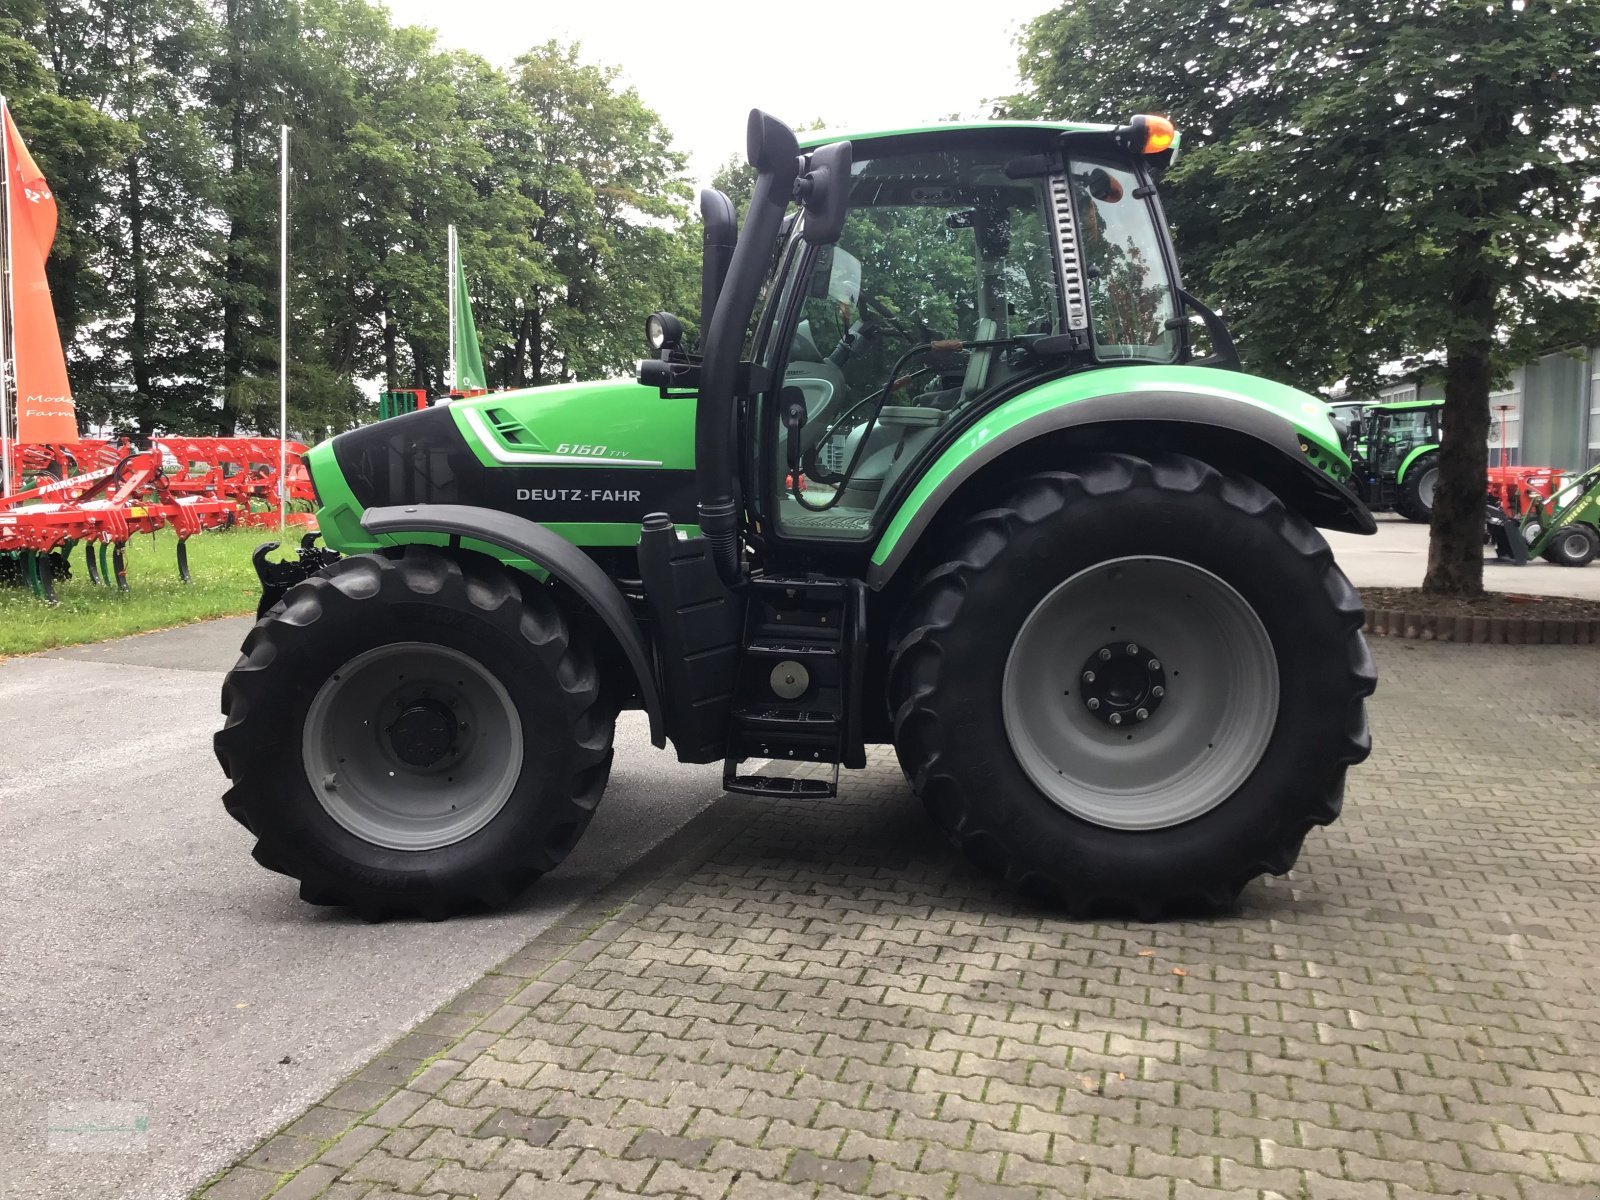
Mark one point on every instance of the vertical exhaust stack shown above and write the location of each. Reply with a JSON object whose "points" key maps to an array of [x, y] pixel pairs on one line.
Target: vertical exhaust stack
{"points": [[775, 154]]}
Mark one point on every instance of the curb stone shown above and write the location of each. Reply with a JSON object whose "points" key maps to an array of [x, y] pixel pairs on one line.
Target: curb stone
{"points": [[1489, 631]]}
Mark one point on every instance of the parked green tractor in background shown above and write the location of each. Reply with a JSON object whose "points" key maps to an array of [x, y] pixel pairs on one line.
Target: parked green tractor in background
{"points": [[1396, 456], [943, 472]]}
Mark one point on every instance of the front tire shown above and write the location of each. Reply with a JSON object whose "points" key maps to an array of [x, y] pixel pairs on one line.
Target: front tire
{"points": [[1574, 546], [1247, 663], [414, 733]]}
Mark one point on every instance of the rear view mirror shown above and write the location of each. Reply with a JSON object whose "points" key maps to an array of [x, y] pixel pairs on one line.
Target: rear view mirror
{"points": [[824, 190]]}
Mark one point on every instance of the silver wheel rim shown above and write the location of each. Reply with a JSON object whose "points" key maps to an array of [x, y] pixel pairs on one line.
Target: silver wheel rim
{"points": [[1425, 487], [1575, 543], [1213, 722], [1530, 534], [362, 759]]}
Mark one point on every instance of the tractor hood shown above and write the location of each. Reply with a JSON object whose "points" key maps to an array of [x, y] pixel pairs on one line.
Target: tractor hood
{"points": [[587, 459]]}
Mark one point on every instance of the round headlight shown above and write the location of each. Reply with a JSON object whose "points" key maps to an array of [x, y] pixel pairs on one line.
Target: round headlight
{"points": [[662, 329]]}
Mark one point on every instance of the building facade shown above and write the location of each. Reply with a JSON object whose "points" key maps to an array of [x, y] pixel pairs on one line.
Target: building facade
{"points": [[1547, 415]]}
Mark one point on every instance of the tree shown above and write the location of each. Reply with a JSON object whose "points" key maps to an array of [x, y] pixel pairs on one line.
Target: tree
{"points": [[1364, 183], [611, 195]]}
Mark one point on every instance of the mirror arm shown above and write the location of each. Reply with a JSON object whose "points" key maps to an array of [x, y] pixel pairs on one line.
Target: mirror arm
{"points": [[1223, 354]]}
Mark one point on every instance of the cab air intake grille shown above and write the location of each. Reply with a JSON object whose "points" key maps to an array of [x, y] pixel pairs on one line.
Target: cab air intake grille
{"points": [[1067, 247]]}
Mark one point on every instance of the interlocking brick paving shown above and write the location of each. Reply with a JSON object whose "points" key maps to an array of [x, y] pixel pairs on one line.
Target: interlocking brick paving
{"points": [[820, 999]]}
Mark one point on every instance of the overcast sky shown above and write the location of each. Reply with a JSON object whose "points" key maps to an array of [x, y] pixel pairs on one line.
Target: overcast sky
{"points": [[703, 65]]}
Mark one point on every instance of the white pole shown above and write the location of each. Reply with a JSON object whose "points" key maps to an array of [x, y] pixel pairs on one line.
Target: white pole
{"points": [[450, 266], [7, 366], [283, 327]]}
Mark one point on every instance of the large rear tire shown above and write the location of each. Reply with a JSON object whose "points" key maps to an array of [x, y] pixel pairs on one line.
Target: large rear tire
{"points": [[1190, 606], [414, 732], [1415, 501]]}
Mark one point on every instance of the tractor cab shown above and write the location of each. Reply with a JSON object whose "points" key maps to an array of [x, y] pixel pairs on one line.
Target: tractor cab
{"points": [[925, 276], [1396, 456]]}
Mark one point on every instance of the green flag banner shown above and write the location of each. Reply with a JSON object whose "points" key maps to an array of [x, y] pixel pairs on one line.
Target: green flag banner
{"points": [[468, 366]]}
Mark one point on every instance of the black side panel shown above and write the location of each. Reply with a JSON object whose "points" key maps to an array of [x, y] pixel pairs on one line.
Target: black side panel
{"points": [[698, 625], [421, 458], [555, 554]]}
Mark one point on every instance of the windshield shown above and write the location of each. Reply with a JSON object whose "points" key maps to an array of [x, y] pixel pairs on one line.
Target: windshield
{"points": [[1130, 295]]}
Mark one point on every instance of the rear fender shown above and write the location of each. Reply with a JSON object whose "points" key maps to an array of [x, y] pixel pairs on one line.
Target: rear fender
{"points": [[1226, 432], [552, 554], [1400, 475]]}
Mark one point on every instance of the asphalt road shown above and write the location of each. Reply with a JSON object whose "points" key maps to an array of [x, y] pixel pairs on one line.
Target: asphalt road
{"points": [[1397, 556], [145, 960]]}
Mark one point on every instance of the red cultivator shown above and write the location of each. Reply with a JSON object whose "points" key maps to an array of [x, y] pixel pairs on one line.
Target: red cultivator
{"points": [[99, 494]]}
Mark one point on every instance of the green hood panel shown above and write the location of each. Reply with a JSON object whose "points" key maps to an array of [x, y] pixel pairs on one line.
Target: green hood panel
{"points": [[572, 457], [1305, 418], [616, 422]]}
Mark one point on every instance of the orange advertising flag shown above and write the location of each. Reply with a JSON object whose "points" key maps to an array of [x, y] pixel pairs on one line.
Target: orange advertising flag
{"points": [[45, 411]]}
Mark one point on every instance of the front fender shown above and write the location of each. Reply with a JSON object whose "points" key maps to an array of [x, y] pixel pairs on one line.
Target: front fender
{"points": [[525, 539], [1284, 437]]}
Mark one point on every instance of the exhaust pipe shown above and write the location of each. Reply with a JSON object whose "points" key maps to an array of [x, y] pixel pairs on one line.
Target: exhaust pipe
{"points": [[775, 154]]}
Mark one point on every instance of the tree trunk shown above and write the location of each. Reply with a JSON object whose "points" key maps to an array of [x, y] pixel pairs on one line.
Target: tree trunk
{"points": [[391, 348], [1455, 545]]}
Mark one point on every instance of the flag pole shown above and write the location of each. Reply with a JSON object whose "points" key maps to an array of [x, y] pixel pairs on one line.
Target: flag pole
{"points": [[283, 327], [8, 368], [450, 266]]}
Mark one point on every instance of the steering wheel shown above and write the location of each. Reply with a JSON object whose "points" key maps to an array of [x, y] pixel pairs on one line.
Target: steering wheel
{"points": [[885, 314]]}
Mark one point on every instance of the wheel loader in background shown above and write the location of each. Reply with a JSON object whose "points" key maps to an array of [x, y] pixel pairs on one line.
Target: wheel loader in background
{"points": [[945, 471]]}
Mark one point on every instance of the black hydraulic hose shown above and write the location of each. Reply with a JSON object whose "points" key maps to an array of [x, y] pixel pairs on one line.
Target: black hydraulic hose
{"points": [[774, 152]]}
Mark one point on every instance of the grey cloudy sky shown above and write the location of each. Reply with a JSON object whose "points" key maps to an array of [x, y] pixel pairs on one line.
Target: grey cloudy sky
{"points": [[703, 65]]}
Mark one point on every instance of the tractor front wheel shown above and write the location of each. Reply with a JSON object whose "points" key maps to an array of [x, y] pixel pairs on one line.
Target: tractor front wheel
{"points": [[1133, 685], [414, 733], [1574, 546]]}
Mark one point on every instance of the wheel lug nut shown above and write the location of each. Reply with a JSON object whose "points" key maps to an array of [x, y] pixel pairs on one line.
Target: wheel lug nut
{"points": [[1132, 649], [1088, 676], [1158, 691], [1116, 718], [1154, 664], [1105, 655], [1093, 704], [1139, 714]]}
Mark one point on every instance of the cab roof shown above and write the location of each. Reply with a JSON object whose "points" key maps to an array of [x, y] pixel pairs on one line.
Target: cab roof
{"points": [[811, 139]]}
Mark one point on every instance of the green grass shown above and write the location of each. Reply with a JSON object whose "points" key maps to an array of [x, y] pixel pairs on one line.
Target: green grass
{"points": [[224, 585]]}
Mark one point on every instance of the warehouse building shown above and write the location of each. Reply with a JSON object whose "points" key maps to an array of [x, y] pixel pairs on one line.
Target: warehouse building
{"points": [[1547, 415]]}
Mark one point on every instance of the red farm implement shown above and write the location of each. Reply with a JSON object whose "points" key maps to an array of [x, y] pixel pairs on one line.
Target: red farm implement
{"points": [[1518, 489], [99, 494]]}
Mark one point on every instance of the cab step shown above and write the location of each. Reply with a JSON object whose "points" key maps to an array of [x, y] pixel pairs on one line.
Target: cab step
{"points": [[797, 696], [783, 785]]}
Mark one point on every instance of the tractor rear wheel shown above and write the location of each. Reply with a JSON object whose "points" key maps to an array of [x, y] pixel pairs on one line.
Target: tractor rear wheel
{"points": [[1415, 501], [1133, 685], [413, 732], [1574, 546]]}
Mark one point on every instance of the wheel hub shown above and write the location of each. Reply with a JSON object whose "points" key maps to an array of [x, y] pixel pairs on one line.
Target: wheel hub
{"points": [[1122, 683], [423, 734]]}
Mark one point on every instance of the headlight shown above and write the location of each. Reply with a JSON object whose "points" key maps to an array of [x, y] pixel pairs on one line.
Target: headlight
{"points": [[662, 331]]}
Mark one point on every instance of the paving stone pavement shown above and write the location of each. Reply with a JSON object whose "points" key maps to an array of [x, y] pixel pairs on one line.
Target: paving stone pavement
{"points": [[803, 999]]}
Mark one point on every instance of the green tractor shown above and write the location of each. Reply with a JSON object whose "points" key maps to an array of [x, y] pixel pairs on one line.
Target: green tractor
{"points": [[944, 472], [1565, 528], [1396, 456]]}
